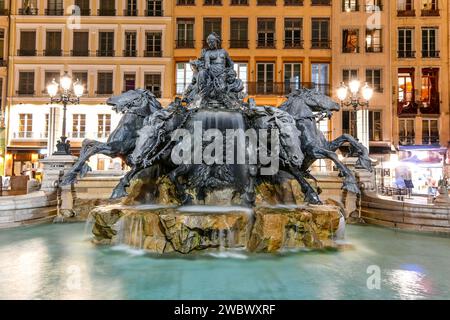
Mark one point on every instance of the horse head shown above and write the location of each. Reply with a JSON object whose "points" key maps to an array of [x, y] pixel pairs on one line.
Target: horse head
{"points": [[139, 101], [289, 137], [304, 102]]}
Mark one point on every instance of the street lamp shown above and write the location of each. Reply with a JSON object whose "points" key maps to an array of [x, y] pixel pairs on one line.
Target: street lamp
{"points": [[357, 97], [64, 92]]}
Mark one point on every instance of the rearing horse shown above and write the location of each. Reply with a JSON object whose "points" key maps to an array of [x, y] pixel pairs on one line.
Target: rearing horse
{"points": [[136, 106], [302, 104]]}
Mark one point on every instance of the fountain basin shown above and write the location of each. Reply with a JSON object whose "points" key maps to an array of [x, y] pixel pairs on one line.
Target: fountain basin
{"points": [[189, 229]]}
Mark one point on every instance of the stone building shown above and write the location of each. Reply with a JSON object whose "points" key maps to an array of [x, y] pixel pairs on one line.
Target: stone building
{"points": [[110, 46]]}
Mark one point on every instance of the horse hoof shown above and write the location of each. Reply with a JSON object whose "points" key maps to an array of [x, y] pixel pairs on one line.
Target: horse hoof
{"points": [[117, 194]]}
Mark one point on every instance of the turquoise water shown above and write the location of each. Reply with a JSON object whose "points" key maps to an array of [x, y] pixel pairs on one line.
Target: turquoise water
{"points": [[59, 262]]}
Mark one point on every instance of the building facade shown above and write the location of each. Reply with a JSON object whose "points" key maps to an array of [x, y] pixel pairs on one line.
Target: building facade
{"points": [[4, 37], [110, 46], [277, 45]]}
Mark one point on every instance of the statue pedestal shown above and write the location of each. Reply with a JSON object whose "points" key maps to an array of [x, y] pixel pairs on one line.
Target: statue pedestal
{"points": [[55, 166]]}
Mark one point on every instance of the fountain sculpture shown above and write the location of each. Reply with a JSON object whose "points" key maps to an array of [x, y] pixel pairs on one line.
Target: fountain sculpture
{"points": [[213, 171]]}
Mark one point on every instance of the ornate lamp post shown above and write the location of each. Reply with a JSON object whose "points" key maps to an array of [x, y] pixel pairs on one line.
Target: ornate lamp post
{"points": [[358, 98], [65, 92]]}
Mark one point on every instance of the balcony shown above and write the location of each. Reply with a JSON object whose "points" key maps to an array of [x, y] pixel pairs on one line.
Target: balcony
{"points": [[293, 44], [152, 53], [239, 3], [53, 53], [409, 140], [430, 12], [350, 50], [105, 53], [184, 44], [374, 49], [266, 44], [28, 11], [130, 12], [25, 93], [104, 92], [373, 8], [77, 135], [408, 54], [129, 53], [408, 108], [321, 44], [106, 12], [82, 12], [154, 13], [79, 53], [185, 2], [27, 52], [266, 2], [430, 54], [54, 12], [430, 140], [212, 2], [293, 2], [351, 8], [238, 44], [320, 2], [29, 135], [282, 88], [4, 12], [406, 13]]}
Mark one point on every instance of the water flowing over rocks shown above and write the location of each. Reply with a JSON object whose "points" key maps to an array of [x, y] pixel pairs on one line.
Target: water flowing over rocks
{"points": [[185, 230]]}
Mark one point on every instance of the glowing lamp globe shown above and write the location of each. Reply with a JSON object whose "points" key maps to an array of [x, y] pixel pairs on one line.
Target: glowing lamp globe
{"points": [[354, 86], [367, 92], [66, 81], [52, 89], [342, 92]]}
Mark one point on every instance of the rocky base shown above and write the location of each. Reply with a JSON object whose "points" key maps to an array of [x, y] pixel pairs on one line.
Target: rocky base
{"points": [[186, 229]]}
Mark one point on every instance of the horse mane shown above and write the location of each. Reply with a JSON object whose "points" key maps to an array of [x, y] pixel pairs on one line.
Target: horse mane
{"points": [[295, 104]]}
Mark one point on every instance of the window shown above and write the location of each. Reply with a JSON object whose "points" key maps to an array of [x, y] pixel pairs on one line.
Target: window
{"points": [[185, 2], [154, 8], [105, 83], [241, 70], [405, 8], [84, 7], [374, 5], [350, 5], [130, 44], [106, 44], [153, 83], [104, 125], [406, 99], [266, 33], [239, 33], [375, 127], [78, 126], [131, 9], [265, 78], [26, 82], [320, 76], [349, 75], [212, 25], [293, 33], [349, 122], [80, 44], [25, 125], [184, 76], [2, 45], [405, 43], [185, 33], [292, 77], [107, 8], [239, 2], [429, 43], [153, 44], [373, 78], [266, 2], [27, 43], [29, 7], [49, 77], [350, 41], [373, 40], [430, 8], [430, 132], [429, 96], [406, 132], [129, 81], [55, 8], [53, 44], [81, 76], [320, 33]]}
